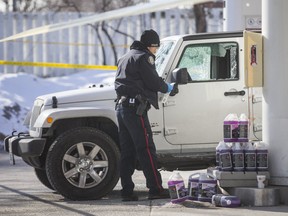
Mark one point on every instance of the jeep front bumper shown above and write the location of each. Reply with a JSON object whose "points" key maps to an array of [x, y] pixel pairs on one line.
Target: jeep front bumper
{"points": [[23, 145]]}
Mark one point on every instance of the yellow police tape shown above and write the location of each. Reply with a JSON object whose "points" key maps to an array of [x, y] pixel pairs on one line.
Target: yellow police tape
{"points": [[59, 65]]}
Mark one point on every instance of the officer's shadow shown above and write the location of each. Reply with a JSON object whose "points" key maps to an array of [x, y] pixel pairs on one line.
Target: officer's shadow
{"points": [[143, 200]]}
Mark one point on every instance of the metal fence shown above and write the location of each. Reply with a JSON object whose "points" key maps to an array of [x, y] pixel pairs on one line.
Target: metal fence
{"points": [[93, 44]]}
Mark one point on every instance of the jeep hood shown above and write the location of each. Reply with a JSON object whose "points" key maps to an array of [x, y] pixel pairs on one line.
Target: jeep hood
{"points": [[80, 95]]}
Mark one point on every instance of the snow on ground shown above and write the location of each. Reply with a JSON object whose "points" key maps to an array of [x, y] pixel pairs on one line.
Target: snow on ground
{"points": [[18, 91]]}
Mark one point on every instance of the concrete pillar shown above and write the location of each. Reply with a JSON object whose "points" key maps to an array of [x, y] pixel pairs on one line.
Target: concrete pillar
{"points": [[275, 89]]}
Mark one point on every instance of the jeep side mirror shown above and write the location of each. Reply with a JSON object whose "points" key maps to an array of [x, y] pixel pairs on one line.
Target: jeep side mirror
{"points": [[180, 76]]}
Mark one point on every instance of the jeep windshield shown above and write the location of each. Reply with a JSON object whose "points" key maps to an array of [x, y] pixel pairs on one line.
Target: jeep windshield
{"points": [[163, 54]]}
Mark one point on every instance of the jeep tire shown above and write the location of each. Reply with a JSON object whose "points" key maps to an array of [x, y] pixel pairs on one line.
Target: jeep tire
{"points": [[42, 177], [83, 164]]}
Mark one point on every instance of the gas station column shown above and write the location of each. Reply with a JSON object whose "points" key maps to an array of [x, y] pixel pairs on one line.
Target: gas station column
{"points": [[275, 88]]}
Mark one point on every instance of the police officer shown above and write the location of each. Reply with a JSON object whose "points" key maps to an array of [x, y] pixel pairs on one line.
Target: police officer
{"points": [[136, 85]]}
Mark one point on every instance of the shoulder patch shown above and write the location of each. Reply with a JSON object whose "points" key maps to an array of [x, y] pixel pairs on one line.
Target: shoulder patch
{"points": [[151, 60]]}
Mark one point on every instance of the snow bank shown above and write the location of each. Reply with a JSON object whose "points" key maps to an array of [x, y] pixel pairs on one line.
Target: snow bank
{"points": [[18, 91]]}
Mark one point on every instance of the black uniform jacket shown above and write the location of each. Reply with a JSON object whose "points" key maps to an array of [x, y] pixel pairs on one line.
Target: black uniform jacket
{"points": [[137, 74]]}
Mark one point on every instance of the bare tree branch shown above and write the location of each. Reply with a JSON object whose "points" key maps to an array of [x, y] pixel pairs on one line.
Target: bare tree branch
{"points": [[95, 27], [111, 42]]}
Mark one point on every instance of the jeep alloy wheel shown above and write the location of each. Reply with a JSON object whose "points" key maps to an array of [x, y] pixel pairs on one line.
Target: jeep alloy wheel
{"points": [[83, 164]]}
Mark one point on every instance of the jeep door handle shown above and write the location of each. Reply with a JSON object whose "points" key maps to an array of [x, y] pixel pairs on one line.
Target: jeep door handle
{"points": [[241, 93]]}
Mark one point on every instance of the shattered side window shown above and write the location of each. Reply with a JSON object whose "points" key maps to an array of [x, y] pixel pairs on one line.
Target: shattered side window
{"points": [[212, 61]]}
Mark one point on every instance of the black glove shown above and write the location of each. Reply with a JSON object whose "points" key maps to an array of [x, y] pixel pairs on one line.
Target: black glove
{"points": [[175, 90]]}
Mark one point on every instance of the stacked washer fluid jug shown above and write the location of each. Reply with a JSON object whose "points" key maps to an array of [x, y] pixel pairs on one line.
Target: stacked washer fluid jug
{"points": [[235, 152], [261, 156], [231, 128], [238, 157], [224, 155], [250, 158]]}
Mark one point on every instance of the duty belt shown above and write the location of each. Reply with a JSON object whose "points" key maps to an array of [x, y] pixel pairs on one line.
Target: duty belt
{"points": [[128, 101], [138, 102]]}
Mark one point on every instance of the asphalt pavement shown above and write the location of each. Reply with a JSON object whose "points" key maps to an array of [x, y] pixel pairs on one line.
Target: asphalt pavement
{"points": [[22, 194]]}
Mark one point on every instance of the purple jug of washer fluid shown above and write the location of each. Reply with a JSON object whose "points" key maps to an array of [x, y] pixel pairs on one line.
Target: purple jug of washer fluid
{"points": [[225, 157], [250, 157], [193, 186], [231, 128], [238, 157], [243, 128], [262, 156], [177, 189], [221, 145], [207, 187]]}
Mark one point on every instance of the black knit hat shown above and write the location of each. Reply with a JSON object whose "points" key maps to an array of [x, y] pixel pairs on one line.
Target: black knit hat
{"points": [[150, 38]]}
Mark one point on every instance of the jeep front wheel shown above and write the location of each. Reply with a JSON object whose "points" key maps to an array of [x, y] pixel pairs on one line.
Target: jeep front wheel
{"points": [[82, 164], [42, 177]]}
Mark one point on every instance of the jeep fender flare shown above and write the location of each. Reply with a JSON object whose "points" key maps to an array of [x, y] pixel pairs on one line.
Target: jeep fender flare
{"points": [[68, 113]]}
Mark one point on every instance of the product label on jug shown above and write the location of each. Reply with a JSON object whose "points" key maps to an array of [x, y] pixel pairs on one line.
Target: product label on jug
{"points": [[231, 132], [238, 160], [225, 160], [177, 191], [262, 160], [250, 160], [243, 131], [207, 190], [227, 131], [193, 189]]}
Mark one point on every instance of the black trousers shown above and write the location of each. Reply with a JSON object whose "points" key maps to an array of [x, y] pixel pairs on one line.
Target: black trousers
{"points": [[136, 142]]}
